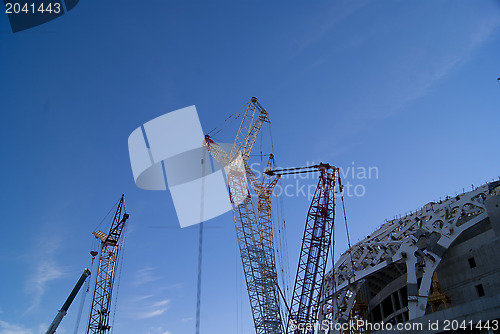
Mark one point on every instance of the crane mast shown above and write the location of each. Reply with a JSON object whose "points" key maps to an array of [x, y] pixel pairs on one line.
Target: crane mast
{"points": [[316, 242], [99, 320], [258, 263]]}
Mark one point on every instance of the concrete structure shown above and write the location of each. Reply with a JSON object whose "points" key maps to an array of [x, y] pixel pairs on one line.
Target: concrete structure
{"points": [[438, 264]]}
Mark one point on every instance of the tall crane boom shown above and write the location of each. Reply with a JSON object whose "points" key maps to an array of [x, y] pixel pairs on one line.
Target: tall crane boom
{"points": [[264, 191], [99, 320], [64, 309], [261, 283], [314, 251], [249, 129]]}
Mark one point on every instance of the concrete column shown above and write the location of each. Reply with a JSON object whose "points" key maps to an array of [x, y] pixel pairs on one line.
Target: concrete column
{"points": [[411, 283]]}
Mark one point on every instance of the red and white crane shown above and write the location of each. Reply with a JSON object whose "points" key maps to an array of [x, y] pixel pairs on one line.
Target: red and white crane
{"points": [[318, 233], [252, 231]]}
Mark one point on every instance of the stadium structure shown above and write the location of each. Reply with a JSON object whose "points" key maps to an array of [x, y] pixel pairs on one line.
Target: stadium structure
{"points": [[438, 265]]}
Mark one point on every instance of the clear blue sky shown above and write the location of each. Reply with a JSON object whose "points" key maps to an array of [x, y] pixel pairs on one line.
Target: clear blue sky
{"points": [[408, 87]]}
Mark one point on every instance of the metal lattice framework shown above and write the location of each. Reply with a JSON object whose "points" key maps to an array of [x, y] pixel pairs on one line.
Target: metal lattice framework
{"points": [[415, 243], [314, 252], [261, 283], [264, 190], [99, 320]]}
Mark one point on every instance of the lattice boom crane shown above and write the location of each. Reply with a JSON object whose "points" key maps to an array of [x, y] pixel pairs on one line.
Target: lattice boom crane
{"points": [[258, 262], [316, 242], [99, 320], [264, 190]]}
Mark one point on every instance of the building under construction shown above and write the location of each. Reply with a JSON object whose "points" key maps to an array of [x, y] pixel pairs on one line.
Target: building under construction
{"points": [[438, 265], [433, 270]]}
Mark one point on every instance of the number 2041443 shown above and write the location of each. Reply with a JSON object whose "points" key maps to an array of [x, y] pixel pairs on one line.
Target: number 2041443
{"points": [[31, 8], [464, 325]]}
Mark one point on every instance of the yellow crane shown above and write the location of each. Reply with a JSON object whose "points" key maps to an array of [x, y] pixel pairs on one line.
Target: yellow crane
{"points": [[99, 320]]}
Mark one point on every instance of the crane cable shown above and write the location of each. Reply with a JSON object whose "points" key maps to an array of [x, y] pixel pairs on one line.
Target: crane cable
{"points": [[94, 245], [120, 264], [106, 216], [239, 294], [281, 248], [334, 295], [282, 252], [82, 302], [346, 227], [200, 244], [336, 308], [223, 125], [198, 294]]}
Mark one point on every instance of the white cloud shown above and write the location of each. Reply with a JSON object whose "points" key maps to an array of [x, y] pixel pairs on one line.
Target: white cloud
{"points": [[45, 270], [6, 328], [162, 303], [151, 314], [156, 309], [139, 298]]}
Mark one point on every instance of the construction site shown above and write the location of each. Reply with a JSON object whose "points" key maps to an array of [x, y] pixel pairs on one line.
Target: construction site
{"points": [[430, 271], [250, 167]]}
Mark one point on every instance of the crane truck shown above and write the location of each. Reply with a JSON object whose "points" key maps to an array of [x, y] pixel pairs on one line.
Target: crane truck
{"points": [[64, 309]]}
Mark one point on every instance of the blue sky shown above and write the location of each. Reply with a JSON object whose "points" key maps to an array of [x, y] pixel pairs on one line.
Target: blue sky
{"points": [[407, 87]]}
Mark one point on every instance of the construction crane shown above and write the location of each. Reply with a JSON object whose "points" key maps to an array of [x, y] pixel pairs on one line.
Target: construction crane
{"points": [[99, 320], [264, 191], [258, 262], [64, 309], [316, 242]]}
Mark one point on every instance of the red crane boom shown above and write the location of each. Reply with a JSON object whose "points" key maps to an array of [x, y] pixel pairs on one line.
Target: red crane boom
{"points": [[316, 242]]}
